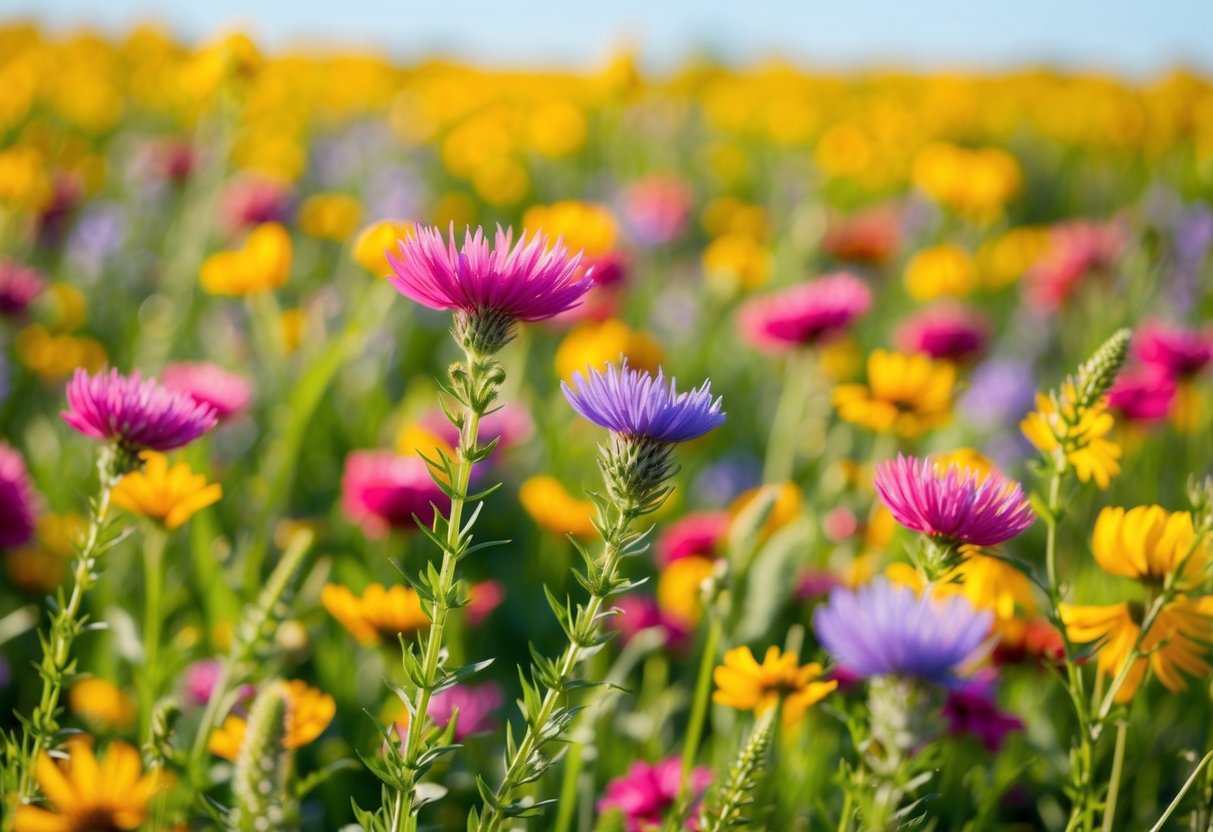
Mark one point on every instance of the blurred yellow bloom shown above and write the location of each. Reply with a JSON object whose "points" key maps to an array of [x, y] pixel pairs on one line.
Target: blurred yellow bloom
{"points": [[309, 711], [330, 216], [415, 438], [102, 704], [789, 503], [66, 306], [24, 181], [729, 215], [906, 394], [557, 129], [1006, 258], [678, 588], [41, 566], [744, 684], [1149, 544], [454, 208], [1078, 438], [965, 458], [375, 240], [988, 583], [380, 614], [587, 227], [53, 357], [233, 57], [260, 265], [170, 496], [290, 324], [941, 270], [501, 181], [594, 343], [553, 508], [977, 183], [736, 261]]}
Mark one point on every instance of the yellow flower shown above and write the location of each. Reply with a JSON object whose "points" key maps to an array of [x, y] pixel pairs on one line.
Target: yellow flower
{"points": [[1177, 641], [788, 506], [260, 265], [744, 684], [1148, 544], [585, 226], [415, 438], [941, 270], [965, 458], [678, 588], [736, 261], [557, 129], [594, 343], [24, 181], [905, 394], [379, 614], [168, 495], [88, 794], [309, 711], [1005, 259], [233, 56], [1079, 438], [54, 357], [377, 238], [551, 506], [977, 183], [102, 703], [329, 216]]}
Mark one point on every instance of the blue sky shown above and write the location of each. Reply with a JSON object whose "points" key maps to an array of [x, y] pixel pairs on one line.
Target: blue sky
{"points": [[1131, 36]]}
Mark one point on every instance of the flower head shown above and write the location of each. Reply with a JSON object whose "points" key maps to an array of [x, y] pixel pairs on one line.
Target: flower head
{"points": [[954, 503], [641, 406], [168, 495], [882, 630], [18, 502], [743, 683], [19, 287], [1142, 396], [262, 264], [1179, 352], [805, 315], [1058, 426], [905, 394], [380, 613], [381, 490], [679, 589], [210, 384], [694, 535], [550, 504], [134, 412], [309, 711], [373, 242], [102, 704], [637, 612], [648, 791], [948, 331], [1148, 544]]}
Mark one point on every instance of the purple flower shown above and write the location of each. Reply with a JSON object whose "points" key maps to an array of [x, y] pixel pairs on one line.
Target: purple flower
{"points": [[957, 504], [18, 502], [19, 286], [638, 405], [530, 281], [972, 709], [138, 413], [886, 630], [210, 384], [1001, 393], [645, 793], [474, 707]]}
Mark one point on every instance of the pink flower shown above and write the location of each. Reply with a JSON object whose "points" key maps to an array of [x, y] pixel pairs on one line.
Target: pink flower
{"points": [[201, 678], [134, 412], [476, 707], [18, 502], [695, 534], [946, 330], [956, 504], [381, 490], [1076, 249], [646, 792], [1179, 352], [639, 612], [249, 202], [804, 315], [657, 209], [816, 583], [486, 596], [168, 159], [1142, 395], [19, 287], [526, 282], [210, 384], [972, 709]]}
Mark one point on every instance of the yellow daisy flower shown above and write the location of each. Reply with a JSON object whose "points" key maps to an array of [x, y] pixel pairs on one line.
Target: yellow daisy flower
{"points": [[1148, 544], [1078, 438], [168, 495], [375, 240], [260, 265], [743, 683], [379, 614], [906, 394], [309, 711]]}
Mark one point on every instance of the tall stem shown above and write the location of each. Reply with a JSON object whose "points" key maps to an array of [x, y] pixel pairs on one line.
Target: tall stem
{"points": [[699, 710], [153, 616], [780, 462], [1118, 760]]}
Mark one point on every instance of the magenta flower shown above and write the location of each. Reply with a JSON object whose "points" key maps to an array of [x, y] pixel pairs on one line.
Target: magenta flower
{"points": [[657, 209], [136, 413], [646, 792], [18, 502], [946, 330], [958, 504], [476, 707], [19, 287], [640, 406], [530, 281], [249, 202], [1179, 352], [1077, 249], [804, 315], [1142, 395], [695, 534], [973, 709], [485, 597], [210, 384], [637, 612], [381, 490], [199, 682]]}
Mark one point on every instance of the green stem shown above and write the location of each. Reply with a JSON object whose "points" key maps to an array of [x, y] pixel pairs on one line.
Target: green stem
{"points": [[1183, 791], [780, 463], [1118, 760], [153, 616], [699, 707]]}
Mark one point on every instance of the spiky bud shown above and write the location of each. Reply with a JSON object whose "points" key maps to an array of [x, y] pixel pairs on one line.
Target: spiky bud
{"points": [[728, 810], [1097, 374], [483, 332], [263, 766], [635, 470]]}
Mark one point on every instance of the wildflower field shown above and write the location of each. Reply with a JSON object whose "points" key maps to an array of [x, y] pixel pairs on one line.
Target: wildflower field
{"points": [[391, 447]]}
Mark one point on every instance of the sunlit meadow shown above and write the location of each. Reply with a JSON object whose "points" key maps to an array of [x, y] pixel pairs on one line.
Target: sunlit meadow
{"points": [[391, 447]]}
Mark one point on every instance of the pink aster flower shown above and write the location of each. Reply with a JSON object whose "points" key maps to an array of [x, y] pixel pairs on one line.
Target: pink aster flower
{"points": [[530, 281], [695, 534], [646, 792], [210, 384], [18, 502], [134, 412], [1142, 395], [804, 315], [381, 490], [476, 707], [946, 330], [1179, 352], [639, 612], [956, 504], [19, 287], [200, 679]]}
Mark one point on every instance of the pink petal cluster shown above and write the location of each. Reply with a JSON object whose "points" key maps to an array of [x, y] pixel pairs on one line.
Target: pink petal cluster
{"points": [[210, 384], [381, 490], [870, 236], [485, 597], [804, 315], [1143, 394], [637, 612], [973, 709], [695, 534], [1178, 352], [135, 412], [956, 504], [657, 209], [645, 793], [530, 281], [476, 707], [950, 331], [18, 502], [19, 287], [249, 202], [1076, 249]]}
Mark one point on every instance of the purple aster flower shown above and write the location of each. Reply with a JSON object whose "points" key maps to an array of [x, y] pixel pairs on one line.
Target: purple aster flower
{"points": [[19, 286], [886, 630], [637, 405], [18, 502], [957, 504], [973, 709], [476, 707], [647, 791], [135, 412]]}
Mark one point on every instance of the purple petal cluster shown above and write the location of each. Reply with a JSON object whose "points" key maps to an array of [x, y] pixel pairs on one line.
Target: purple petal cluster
{"points": [[530, 281], [136, 412], [18, 503], [638, 405], [886, 630], [958, 504]]}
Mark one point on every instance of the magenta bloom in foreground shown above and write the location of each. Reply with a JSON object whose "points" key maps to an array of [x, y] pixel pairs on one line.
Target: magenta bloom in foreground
{"points": [[640, 406], [135, 412], [645, 793], [529, 281], [946, 330], [474, 707], [804, 315], [18, 503], [886, 630], [210, 384], [19, 287], [957, 504], [381, 490]]}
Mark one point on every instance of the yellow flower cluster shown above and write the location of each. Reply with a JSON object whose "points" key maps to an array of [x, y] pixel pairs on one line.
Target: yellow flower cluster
{"points": [[907, 395], [1073, 436], [170, 496], [379, 614], [744, 684]]}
